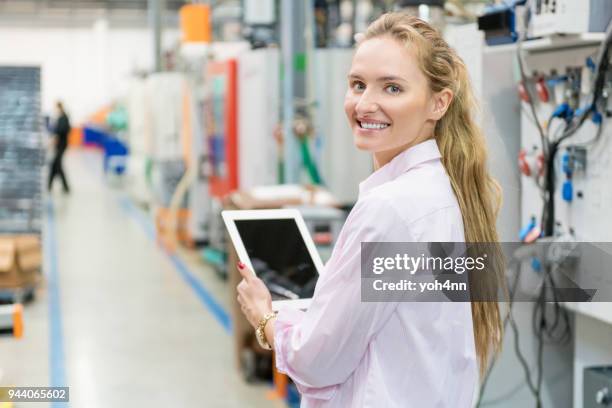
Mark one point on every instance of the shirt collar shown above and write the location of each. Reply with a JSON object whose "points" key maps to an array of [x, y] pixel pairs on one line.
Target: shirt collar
{"points": [[409, 158]]}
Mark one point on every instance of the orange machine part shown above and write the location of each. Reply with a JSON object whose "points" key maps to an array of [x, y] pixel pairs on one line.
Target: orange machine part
{"points": [[195, 23], [75, 138], [18, 321], [222, 186], [280, 384]]}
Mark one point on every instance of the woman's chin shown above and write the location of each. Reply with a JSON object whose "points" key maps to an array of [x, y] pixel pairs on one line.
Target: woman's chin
{"points": [[362, 143]]}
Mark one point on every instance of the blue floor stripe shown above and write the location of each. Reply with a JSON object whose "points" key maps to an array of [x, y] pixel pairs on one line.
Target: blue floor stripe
{"points": [[57, 370], [128, 207], [202, 293]]}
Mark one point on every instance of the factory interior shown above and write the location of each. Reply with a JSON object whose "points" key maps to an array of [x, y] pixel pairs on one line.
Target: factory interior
{"points": [[129, 127]]}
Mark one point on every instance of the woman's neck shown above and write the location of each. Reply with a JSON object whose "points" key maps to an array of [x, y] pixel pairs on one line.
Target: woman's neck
{"points": [[384, 157]]}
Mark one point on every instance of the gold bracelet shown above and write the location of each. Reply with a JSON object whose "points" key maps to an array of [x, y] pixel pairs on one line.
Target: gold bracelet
{"points": [[260, 331]]}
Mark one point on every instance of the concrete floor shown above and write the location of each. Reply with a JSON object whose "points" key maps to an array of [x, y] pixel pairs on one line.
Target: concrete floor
{"points": [[116, 319]]}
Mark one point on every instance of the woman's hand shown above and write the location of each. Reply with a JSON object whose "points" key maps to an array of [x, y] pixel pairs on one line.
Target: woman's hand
{"points": [[253, 296]]}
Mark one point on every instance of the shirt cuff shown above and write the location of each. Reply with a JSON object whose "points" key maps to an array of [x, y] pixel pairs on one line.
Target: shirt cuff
{"points": [[283, 328], [284, 322]]}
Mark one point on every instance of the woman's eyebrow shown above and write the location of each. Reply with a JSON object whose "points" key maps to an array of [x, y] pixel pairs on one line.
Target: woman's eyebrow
{"points": [[386, 78], [391, 78]]}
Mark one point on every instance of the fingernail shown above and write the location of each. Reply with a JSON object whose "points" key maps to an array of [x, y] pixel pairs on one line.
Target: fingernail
{"points": [[240, 265]]}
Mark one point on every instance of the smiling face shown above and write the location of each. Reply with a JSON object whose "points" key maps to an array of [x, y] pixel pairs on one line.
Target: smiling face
{"points": [[388, 103]]}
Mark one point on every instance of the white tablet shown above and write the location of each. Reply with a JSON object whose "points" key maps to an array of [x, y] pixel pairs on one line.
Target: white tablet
{"points": [[277, 246]]}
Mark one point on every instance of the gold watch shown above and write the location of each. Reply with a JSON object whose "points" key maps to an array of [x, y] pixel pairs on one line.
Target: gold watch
{"points": [[261, 334]]}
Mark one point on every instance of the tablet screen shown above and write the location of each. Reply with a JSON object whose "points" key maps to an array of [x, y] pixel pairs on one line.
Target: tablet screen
{"points": [[279, 257]]}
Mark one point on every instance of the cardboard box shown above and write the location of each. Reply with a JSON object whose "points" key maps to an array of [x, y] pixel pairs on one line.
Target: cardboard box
{"points": [[20, 261]]}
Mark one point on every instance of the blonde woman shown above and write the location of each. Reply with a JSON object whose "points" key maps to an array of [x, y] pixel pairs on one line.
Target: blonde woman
{"points": [[409, 102]]}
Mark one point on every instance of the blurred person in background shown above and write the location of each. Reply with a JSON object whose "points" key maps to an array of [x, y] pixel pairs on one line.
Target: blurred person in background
{"points": [[61, 132]]}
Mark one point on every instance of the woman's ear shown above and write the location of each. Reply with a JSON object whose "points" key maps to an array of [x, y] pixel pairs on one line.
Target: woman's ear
{"points": [[440, 103]]}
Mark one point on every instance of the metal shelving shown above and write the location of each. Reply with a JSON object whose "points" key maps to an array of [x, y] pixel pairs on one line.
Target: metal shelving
{"points": [[22, 151]]}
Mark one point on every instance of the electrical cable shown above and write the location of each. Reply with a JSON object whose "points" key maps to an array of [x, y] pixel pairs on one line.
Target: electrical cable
{"points": [[523, 361], [561, 315], [528, 115], [551, 148], [603, 64], [524, 80], [593, 140]]}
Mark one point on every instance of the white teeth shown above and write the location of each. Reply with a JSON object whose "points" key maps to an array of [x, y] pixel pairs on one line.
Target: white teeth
{"points": [[366, 125]]}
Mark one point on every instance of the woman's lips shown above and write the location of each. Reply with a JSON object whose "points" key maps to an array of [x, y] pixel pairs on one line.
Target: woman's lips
{"points": [[370, 125]]}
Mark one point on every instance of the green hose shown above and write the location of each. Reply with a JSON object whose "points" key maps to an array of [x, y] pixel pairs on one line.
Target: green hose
{"points": [[308, 163]]}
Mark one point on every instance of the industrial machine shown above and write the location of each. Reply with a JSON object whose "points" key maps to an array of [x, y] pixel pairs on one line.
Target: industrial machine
{"points": [[569, 16], [554, 186], [258, 74], [241, 114]]}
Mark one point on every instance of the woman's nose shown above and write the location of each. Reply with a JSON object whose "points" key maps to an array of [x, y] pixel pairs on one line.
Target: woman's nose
{"points": [[366, 105]]}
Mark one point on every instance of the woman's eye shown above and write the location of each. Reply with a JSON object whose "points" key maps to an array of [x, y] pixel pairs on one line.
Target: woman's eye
{"points": [[393, 89], [358, 86]]}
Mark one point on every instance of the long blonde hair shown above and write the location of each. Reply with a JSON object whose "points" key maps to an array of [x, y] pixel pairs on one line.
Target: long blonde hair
{"points": [[464, 156]]}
